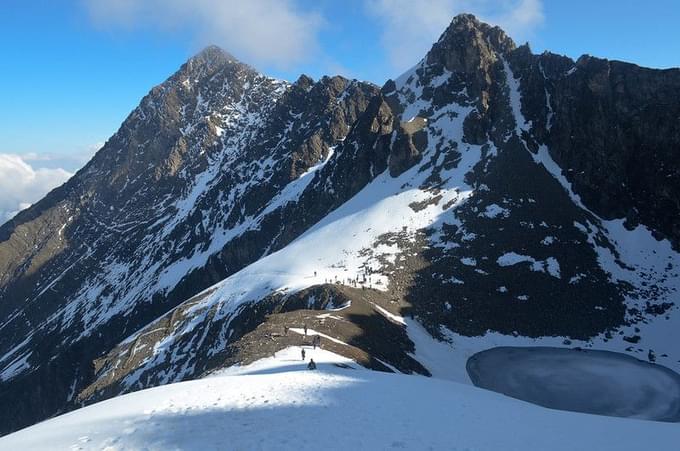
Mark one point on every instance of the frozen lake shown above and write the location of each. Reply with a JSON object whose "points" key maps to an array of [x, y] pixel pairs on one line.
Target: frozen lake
{"points": [[599, 382]]}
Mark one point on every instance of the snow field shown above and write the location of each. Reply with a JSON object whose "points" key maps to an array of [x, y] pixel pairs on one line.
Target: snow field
{"points": [[276, 404]]}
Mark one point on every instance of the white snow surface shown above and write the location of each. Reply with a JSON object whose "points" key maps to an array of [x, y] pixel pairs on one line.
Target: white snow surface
{"points": [[494, 211], [276, 403], [549, 265], [15, 367]]}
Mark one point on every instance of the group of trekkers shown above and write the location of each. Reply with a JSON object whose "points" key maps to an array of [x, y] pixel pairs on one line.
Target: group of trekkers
{"points": [[311, 365], [316, 341], [360, 279]]}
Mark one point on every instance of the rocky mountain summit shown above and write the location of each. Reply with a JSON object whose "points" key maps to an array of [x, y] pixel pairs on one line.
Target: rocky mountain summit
{"points": [[188, 191], [486, 196]]}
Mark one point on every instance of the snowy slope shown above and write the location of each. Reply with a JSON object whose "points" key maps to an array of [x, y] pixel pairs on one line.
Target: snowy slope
{"points": [[277, 404]]}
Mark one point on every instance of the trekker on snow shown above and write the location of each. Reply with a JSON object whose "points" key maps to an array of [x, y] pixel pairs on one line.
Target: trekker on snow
{"points": [[311, 365], [305, 329], [303, 353]]}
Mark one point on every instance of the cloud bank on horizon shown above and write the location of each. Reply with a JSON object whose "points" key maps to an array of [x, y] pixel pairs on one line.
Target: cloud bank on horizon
{"points": [[25, 179]]}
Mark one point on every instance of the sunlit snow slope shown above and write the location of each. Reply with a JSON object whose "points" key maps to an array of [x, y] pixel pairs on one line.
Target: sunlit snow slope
{"points": [[276, 403]]}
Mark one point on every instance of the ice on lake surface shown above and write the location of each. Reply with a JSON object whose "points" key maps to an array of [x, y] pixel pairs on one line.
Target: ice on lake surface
{"points": [[589, 381]]}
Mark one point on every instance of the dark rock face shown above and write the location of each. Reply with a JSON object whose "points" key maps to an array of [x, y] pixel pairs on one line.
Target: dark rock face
{"points": [[221, 166], [471, 49], [471, 52], [613, 128], [409, 143], [500, 219], [517, 209]]}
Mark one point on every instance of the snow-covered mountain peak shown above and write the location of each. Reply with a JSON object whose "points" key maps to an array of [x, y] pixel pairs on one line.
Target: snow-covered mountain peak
{"points": [[463, 201]]}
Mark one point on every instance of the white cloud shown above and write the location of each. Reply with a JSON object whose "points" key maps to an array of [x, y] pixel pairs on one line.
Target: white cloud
{"points": [[410, 27], [257, 31], [70, 162], [21, 184]]}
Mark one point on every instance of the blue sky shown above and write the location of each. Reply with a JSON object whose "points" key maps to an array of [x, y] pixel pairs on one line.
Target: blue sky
{"points": [[71, 71]]}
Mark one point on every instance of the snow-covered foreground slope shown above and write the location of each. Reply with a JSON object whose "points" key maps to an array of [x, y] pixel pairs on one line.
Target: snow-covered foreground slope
{"points": [[276, 404]]}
